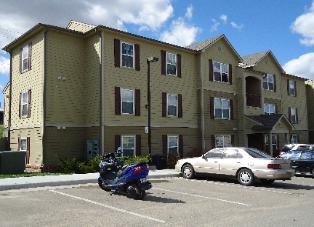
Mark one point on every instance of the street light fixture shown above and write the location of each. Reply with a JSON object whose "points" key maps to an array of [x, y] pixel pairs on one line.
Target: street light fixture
{"points": [[149, 60]]}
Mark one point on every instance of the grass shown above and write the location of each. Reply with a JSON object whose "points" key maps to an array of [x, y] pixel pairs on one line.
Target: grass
{"points": [[2, 176]]}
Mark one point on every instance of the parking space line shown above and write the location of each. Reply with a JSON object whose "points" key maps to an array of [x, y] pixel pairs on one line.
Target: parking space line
{"points": [[204, 197], [109, 207]]}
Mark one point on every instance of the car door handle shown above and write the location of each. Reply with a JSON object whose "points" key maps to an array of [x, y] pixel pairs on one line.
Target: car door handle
{"points": [[238, 162]]}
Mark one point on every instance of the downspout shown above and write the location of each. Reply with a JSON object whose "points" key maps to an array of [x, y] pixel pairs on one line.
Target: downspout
{"points": [[10, 101], [101, 89], [202, 108], [44, 101]]}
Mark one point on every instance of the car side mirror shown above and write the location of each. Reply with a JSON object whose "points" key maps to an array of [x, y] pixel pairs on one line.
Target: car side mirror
{"points": [[204, 157]]}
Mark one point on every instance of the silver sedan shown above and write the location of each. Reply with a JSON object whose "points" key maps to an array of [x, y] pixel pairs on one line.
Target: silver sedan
{"points": [[246, 164]]}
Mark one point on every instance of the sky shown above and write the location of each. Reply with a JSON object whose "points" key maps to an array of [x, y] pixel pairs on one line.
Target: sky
{"points": [[286, 27]]}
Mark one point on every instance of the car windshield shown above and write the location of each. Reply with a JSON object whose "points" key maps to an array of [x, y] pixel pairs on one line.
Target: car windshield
{"points": [[256, 153]]}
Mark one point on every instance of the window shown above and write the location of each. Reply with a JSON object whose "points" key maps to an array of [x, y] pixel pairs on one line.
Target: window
{"points": [[221, 72], [293, 115], [128, 143], [214, 153], [269, 108], [294, 139], [269, 82], [223, 141], [127, 55], [171, 60], [221, 108], [172, 104], [232, 153], [25, 55], [274, 141], [173, 146], [127, 101], [25, 101], [23, 144], [292, 88]]}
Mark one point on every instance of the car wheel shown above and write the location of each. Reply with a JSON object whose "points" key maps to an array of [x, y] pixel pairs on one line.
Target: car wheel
{"points": [[245, 177], [187, 171], [267, 181]]}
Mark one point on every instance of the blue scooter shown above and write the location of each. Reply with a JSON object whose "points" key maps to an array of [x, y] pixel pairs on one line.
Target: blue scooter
{"points": [[130, 180]]}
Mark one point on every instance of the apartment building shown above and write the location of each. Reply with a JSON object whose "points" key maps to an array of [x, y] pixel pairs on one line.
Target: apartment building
{"points": [[80, 85]]}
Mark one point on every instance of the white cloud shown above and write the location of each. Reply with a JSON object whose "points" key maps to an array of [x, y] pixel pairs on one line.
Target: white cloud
{"points": [[301, 66], [4, 65], [304, 25], [236, 26], [18, 16], [224, 18], [189, 12], [214, 26]]}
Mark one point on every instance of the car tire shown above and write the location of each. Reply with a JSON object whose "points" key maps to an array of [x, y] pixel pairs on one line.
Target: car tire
{"points": [[267, 181], [245, 177], [187, 171]]}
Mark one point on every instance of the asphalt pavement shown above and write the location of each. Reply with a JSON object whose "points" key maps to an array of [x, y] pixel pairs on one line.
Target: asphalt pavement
{"points": [[69, 179]]}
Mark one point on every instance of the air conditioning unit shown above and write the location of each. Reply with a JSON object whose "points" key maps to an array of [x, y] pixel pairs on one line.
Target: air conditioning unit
{"points": [[92, 149]]}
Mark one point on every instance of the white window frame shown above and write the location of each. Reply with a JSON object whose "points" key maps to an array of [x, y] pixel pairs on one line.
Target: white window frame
{"points": [[221, 100], [21, 142], [122, 90], [294, 139], [223, 68], [133, 55], [24, 103], [168, 54], [25, 57], [268, 108], [292, 88], [122, 140], [269, 79], [221, 141], [168, 143], [293, 115], [176, 96]]}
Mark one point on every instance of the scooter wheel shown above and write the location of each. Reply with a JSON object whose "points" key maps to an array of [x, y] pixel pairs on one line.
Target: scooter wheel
{"points": [[134, 192], [103, 187], [141, 194]]}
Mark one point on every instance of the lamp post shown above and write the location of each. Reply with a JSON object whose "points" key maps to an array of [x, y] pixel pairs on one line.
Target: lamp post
{"points": [[149, 141]]}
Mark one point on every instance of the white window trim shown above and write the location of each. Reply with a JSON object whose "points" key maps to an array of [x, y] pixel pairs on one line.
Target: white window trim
{"points": [[176, 64], [292, 87], [221, 71], [168, 140], [267, 106], [23, 138], [293, 109], [24, 103], [267, 78], [224, 137], [294, 139], [26, 57], [222, 117], [121, 91], [176, 105], [133, 56], [132, 136]]}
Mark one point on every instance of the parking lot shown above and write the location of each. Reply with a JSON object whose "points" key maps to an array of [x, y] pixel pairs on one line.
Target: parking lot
{"points": [[171, 202]]}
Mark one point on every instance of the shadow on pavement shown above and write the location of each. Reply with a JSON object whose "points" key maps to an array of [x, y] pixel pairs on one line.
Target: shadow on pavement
{"points": [[152, 198]]}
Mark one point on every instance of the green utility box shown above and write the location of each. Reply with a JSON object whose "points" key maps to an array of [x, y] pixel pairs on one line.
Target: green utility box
{"points": [[12, 162]]}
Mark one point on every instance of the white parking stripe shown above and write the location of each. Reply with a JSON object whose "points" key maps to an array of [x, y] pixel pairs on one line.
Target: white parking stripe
{"points": [[204, 197], [109, 207]]}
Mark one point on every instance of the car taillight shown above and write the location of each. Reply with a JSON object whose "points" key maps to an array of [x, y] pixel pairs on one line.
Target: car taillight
{"points": [[137, 169], [273, 166]]}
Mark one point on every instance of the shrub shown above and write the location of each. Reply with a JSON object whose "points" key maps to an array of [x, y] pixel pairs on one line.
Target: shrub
{"points": [[131, 160], [75, 166]]}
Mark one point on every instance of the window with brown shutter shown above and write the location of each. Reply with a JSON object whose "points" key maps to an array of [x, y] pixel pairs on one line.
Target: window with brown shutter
{"points": [[116, 52], [164, 145], [181, 146], [137, 57], [180, 112], [210, 66], [163, 62], [117, 101], [137, 102], [179, 65], [138, 145], [164, 104], [230, 73], [30, 56], [231, 110], [211, 107], [28, 152], [26, 58], [29, 103]]}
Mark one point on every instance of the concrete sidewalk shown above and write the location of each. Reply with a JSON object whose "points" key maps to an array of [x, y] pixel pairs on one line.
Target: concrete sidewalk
{"points": [[41, 181]]}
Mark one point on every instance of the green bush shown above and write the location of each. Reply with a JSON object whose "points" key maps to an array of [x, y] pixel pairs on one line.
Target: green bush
{"points": [[135, 159]]}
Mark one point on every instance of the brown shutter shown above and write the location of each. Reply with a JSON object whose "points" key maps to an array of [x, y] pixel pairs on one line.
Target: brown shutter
{"points": [[180, 113], [181, 146], [21, 50], [137, 102], [164, 145], [288, 87], [295, 88], [117, 141], [232, 140], [179, 65], [164, 104], [210, 67], [296, 114], [289, 114], [212, 138], [117, 53], [27, 151], [276, 108], [163, 62], [20, 107], [231, 110], [211, 108], [29, 103], [230, 73], [274, 83], [137, 57], [29, 56], [18, 144], [138, 145], [117, 101]]}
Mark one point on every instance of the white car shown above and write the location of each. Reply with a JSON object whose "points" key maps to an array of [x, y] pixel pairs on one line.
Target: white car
{"points": [[246, 164]]}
